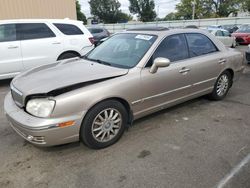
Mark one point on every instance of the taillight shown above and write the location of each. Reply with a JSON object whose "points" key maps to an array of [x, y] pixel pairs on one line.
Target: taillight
{"points": [[92, 40]]}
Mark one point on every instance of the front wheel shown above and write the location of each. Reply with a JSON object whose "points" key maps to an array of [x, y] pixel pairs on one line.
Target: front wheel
{"points": [[222, 86], [104, 124]]}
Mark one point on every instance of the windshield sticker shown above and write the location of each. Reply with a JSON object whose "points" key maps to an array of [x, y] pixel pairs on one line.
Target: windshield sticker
{"points": [[144, 37]]}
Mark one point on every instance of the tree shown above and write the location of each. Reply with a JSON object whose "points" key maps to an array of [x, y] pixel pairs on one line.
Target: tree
{"points": [[246, 5], [170, 16], [203, 9], [144, 9], [80, 15], [208, 8], [123, 17], [223, 8], [107, 10]]}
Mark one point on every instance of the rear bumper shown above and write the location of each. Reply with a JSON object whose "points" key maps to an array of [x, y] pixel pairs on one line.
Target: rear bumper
{"points": [[40, 131]]}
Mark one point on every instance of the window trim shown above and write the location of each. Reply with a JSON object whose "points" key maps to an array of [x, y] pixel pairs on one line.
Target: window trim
{"points": [[179, 61]]}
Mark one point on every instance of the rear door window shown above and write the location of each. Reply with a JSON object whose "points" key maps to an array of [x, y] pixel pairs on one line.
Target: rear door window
{"points": [[29, 31], [219, 33], [200, 44], [8, 33], [69, 29], [95, 31]]}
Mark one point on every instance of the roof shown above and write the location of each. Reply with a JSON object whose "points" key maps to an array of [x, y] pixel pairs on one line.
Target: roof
{"points": [[148, 28]]}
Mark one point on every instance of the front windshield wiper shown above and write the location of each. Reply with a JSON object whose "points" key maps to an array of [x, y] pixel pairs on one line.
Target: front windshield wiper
{"points": [[97, 60], [102, 62]]}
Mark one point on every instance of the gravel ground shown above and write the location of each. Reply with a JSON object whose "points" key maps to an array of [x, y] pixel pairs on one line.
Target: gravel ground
{"points": [[195, 144]]}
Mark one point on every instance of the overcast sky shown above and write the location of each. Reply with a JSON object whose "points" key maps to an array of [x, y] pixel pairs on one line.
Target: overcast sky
{"points": [[165, 6]]}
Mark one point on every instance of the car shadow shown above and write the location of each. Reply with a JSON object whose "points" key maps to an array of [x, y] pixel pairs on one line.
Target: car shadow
{"points": [[4, 83]]}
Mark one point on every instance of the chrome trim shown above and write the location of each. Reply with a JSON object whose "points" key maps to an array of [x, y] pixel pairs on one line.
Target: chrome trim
{"points": [[174, 90], [172, 101], [165, 93], [16, 90], [161, 94], [135, 102], [202, 82]]}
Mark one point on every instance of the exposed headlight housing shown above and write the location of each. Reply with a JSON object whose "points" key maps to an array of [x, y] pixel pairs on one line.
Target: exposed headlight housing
{"points": [[40, 107]]}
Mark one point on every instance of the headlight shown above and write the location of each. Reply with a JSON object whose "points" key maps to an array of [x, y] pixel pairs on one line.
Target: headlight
{"points": [[40, 107]]}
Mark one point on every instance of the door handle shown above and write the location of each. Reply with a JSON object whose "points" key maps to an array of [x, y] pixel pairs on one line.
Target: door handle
{"points": [[222, 61], [56, 42], [12, 47], [184, 70]]}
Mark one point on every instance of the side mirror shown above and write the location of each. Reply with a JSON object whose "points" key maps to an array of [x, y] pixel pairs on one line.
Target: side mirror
{"points": [[159, 62]]}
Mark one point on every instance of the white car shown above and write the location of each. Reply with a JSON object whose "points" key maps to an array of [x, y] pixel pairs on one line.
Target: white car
{"points": [[25, 44], [224, 36]]}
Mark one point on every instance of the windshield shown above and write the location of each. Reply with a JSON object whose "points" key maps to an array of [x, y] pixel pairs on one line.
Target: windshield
{"points": [[244, 29], [122, 50]]}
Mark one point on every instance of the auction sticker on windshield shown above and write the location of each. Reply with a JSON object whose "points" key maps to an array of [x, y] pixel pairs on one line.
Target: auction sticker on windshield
{"points": [[144, 37]]}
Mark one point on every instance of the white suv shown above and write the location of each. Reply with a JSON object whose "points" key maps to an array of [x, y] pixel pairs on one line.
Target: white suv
{"points": [[25, 44]]}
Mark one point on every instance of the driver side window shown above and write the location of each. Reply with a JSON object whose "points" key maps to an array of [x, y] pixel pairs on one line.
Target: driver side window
{"points": [[173, 48]]}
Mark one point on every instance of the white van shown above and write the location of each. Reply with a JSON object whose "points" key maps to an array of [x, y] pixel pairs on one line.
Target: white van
{"points": [[25, 44]]}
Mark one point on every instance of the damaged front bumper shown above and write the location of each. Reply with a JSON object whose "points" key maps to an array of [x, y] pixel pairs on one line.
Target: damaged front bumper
{"points": [[41, 131]]}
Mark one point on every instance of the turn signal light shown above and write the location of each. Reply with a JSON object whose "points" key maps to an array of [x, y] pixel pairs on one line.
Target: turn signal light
{"points": [[66, 124]]}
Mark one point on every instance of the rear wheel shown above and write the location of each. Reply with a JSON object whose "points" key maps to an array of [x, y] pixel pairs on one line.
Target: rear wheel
{"points": [[67, 55], [104, 124], [222, 86], [234, 44]]}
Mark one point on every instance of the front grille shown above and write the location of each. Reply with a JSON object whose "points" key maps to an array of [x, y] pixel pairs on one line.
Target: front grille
{"points": [[17, 96]]}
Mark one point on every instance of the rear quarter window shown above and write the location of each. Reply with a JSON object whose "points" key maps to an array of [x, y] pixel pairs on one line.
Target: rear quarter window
{"points": [[200, 44], [69, 29]]}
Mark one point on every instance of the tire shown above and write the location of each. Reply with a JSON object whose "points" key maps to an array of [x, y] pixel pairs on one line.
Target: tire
{"points": [[222, 86], [234, 45], [67, 55], [93, 124]]}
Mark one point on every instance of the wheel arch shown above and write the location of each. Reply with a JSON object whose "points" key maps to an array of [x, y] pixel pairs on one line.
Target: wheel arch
{"points": [[69, 51], [123, 101], [231, 73], [119, 99]]}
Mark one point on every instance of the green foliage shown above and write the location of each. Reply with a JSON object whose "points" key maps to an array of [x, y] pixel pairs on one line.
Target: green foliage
{"points": [[144, 9], [108, 11], [209, 8], [80, 15], [121, 17], [246, 5], [171, 16]]}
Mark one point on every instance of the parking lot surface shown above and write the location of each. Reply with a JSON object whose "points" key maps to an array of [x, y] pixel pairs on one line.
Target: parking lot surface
{"points": [[200, 143]]}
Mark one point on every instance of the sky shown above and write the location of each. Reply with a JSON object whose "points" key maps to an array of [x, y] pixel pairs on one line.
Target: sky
{"points": [[164, 6]]}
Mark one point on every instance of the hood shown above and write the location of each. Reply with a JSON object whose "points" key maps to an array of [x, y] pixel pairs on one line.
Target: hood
{"points": [[47, 78], [240, 34]]}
